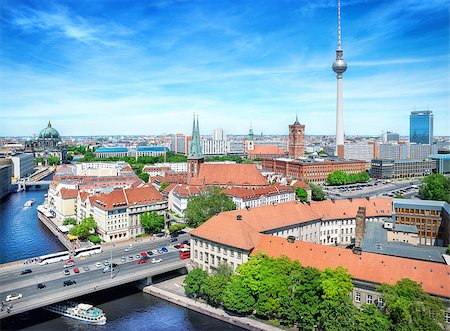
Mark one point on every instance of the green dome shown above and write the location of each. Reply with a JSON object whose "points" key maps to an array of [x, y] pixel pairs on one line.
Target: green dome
{"points": [[49, 132]]}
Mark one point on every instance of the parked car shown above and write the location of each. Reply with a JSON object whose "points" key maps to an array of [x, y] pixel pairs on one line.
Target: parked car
{"points": [[172, 240], [66, 272], [106, 262], [159, 234], [156, 260], [98, 265], [40, 285], [69, 282], [76, 270], [13, 296], [26, 271], [185, 242], [86, 268]]}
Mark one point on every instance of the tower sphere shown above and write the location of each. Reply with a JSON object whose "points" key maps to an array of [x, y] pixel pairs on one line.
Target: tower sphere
{"points": [[339, 66]]}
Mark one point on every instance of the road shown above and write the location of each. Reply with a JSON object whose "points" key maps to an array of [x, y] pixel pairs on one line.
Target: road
{"points": [[86, 281]]}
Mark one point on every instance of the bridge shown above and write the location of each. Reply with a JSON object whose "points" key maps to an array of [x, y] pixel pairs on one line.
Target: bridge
{"points": [[87, 281], [35, 179]]}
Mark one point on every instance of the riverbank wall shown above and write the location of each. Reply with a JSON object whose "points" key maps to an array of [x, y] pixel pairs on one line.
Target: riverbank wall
{"points": [[54, 229], [203, 308]]}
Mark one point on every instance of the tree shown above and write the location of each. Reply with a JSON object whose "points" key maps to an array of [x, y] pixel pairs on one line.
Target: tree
{"points": [[194, 282], [85, 228], [70, 220], [448, 250], [214, 288], [410, 308], [38, 160], [204, 206], [339, 177], [163, 186], [301, 194], [152, 222], [317, 194], [369, 318], [238, 297], [94, 239], [435, 187], [69, 157], [53, 160], [144, 176], [336, 311], [176, 227]]}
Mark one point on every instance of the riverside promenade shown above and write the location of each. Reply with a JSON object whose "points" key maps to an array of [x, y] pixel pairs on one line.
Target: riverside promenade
{"points": [[173, 291]]}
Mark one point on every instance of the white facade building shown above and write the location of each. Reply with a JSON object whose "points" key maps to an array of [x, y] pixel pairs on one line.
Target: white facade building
{"points": [[23, 165]]}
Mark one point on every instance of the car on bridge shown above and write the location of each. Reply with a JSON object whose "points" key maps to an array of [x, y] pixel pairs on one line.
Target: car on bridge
{"points": [[76, 270], [123, 259], [86, 268], [156, 260], [13, 296], [66, 272], [129, 249], [26, 271], [69, 264], [143, 259], [69, 282], [106, 263], [164, 249], [41, 285], [98, 265]]}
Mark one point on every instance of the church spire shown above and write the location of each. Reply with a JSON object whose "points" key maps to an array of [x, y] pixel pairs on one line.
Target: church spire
{"points": [[49, 124], [195, 150]]}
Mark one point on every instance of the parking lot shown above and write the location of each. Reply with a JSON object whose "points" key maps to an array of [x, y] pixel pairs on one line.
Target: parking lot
{"points": [[374, 188]]}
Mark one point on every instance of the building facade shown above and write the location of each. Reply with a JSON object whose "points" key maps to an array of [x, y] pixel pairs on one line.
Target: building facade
{"points": [[5, 179], [421, 127], [269, 195], [315, 171], [106, 152], [432, 219], [358, 152], [388, 169], [23, 165]]}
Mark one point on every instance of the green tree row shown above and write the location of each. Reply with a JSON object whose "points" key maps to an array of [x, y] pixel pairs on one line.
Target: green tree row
{"points": [[152, 222], [141, 160], [342, 178], [284, 292]]}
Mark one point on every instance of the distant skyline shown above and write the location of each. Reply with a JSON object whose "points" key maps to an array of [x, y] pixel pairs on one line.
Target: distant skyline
{"points": [[144, 67]]}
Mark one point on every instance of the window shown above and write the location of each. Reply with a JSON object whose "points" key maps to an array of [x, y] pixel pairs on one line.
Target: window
{"points": [[239, 255], [196, 242], [196, 254], [447, 317], [357, 297], [380, 303], [369, 299], [231, 253], [201, 256]]}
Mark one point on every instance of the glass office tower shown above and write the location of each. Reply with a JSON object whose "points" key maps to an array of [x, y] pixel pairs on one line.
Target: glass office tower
{"points": [[421, 127]]}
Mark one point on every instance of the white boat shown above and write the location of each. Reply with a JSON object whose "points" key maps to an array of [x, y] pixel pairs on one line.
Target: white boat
{"points": [[79, 311], [29, 203]]}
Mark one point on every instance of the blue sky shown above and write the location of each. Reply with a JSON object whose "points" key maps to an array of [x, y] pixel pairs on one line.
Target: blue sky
{"points": [[144, 67]]}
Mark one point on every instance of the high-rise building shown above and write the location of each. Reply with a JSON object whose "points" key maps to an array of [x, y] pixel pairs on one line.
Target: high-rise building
{"points": [[296, 145], [219, 134], [421, 127], [195, 157], [390, 136], [339, 67]]}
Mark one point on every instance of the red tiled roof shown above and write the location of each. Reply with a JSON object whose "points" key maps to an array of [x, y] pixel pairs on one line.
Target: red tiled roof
{"points": [[144, 195], [68, 193], [229, 174], [375, 268], [185, 191], [249, 194], [265, 218], [266, 150], [300, 183]]}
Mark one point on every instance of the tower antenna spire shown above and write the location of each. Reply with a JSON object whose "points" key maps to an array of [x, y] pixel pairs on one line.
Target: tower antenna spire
{"points": [[339, 24]]}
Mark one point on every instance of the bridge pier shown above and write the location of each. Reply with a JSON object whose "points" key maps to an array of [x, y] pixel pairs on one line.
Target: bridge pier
{"points": [[143, 283]]}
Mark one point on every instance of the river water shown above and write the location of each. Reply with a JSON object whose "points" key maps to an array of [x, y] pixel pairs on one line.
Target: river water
{"points": [[23, 236]]}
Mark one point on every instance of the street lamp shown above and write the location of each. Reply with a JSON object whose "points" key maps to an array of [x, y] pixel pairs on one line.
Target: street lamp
{"points": [[110, 263]]}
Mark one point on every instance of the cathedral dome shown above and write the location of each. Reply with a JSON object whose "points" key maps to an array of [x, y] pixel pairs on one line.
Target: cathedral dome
{"points": [[49, 132]]}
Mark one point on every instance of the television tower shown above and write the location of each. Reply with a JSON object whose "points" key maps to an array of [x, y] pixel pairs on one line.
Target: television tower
{"points": [[339, 67]]}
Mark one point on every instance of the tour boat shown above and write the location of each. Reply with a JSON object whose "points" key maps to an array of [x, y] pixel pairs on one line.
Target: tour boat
{"points": [[79, 311], [29, 203]]}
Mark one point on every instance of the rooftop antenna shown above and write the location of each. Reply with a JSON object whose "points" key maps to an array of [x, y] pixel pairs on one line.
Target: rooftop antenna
{"points": [[339, 24]]}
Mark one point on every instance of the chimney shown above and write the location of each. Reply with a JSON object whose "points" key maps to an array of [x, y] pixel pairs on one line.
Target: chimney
{"points": [[290, 239], [360, 226], [239, 217]]}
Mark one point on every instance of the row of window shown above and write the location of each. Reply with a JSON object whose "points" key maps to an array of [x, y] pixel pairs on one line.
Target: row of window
{"points": [[369, 299], [216, 248]]}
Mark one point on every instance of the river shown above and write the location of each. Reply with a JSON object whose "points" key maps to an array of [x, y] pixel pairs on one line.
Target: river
{"points": [[24, 236]]}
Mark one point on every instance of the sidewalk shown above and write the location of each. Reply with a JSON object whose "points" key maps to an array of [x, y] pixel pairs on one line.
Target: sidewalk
{"points": [[173, 291]]}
